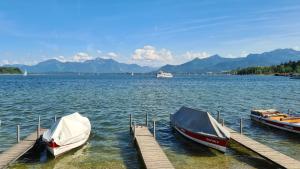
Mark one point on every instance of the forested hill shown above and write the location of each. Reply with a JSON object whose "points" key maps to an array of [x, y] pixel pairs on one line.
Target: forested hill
{"points": [[292, 67], [10, 70]]}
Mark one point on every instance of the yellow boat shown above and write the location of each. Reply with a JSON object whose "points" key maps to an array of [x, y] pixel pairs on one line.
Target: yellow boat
{"points": [[277, 119]]}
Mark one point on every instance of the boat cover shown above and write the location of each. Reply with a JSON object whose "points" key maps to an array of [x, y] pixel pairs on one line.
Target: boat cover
{"points": [[198, 122], [69, 129]]}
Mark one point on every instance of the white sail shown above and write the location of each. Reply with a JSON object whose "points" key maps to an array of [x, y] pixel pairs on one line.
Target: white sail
{"points": [[25, 73]]}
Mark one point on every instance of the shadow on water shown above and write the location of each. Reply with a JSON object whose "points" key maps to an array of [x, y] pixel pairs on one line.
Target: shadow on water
{"points": [[39, 154], [129, 152], [274, 131], [247, 156]]}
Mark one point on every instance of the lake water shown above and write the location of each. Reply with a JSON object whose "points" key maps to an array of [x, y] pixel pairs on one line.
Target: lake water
{"points": [[109, 99]]}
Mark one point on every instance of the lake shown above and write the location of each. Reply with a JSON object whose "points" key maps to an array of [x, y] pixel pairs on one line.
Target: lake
{"points": [[108, 99]]}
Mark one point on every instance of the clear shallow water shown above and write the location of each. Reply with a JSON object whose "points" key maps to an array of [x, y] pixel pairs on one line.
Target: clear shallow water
{"points": [[109, 99]]}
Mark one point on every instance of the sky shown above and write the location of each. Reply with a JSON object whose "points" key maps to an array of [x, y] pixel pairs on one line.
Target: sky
{"points": [[152, 32]]}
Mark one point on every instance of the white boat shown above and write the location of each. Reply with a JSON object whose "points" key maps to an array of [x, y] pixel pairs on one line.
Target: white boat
{"points": [[162, 74], [200, 127], [69, 132], [25, 73], [132, 74]]}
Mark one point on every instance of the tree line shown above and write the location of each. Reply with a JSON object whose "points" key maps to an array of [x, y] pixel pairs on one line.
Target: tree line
{"points": [[291, 67], [10, 70]]}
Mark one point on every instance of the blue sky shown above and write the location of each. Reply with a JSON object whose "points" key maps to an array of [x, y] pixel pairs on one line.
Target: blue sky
{"points": [[145, 32]]}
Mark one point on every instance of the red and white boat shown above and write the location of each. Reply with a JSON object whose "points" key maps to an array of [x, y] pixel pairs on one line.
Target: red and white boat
{"points": [[200, 127], [67, 133], [277, 119]]}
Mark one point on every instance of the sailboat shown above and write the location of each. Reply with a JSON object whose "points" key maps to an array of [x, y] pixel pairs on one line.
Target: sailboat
{"points": [[25, 73]]}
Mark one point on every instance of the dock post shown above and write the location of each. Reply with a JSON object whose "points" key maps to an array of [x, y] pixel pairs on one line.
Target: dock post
{"points": [[241, 125], [222, 122], [130, 122], [154, 133], [218, 117], [289, 111], [38, 132], [133, 130], [146, 119], [54, 118], [38, 127], [39, 121], [18, 133]]}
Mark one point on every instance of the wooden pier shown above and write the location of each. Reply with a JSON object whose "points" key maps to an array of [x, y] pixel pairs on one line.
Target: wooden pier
{"points": [[151, 153], [264, 151], [12, 154]]}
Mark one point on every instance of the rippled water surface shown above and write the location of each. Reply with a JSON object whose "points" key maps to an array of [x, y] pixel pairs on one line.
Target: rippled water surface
{"points": [[109, 99]]}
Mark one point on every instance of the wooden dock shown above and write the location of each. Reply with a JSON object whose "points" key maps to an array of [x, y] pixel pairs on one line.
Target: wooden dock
{"points": [[19, 149], [264, 151], [150, 151]]}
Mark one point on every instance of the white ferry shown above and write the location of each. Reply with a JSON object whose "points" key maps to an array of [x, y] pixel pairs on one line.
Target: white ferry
{"points": [[162, 74]]}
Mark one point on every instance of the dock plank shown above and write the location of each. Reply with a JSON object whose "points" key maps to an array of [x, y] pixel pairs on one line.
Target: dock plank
{"points": [[264, 151], [150, 151], [16, 151]]}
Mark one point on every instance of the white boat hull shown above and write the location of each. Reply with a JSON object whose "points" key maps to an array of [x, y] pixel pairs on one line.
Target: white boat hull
{"points": [[164, 76], [63, 149], [276, 124]]}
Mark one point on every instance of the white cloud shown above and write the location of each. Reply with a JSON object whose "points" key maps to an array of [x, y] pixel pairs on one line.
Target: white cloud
{"points": [[192, 55], [61, 58], [4, 62], [109, 55], [296, 48], [244, 54], [112, 55], [149, 55], [230, 55], [81, 57], [24, 61]]}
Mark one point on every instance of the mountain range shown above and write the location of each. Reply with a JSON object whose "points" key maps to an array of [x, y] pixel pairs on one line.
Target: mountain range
{"points": [[217, 63], [213, 63], [98, 65]]}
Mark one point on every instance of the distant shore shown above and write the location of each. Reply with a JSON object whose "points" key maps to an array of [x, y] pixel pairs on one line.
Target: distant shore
{"points": [[291, 68], [10, 71]]}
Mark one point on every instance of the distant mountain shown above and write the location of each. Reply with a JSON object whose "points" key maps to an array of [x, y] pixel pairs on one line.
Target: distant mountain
{"points": [[98, 65], [217, 63]]}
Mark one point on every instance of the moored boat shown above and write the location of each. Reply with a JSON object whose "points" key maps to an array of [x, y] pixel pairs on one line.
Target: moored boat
{"points": [[200, 127], [277, 119], [67, 133]]}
